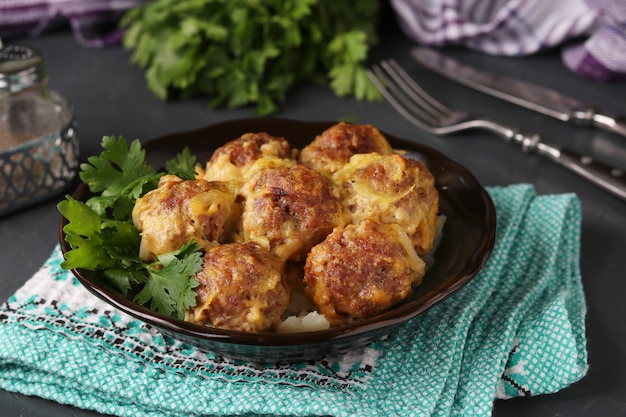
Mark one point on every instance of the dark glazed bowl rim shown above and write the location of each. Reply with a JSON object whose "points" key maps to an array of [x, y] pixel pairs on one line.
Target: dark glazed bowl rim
{"points": [[468, 240]]}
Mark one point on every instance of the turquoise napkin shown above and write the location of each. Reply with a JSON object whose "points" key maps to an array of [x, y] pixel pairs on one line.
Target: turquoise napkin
{"points": [[516, 330]]}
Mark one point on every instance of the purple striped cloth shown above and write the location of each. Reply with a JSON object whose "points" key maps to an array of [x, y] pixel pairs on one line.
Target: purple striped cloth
{"points": [[591, 33], [94, 22]]}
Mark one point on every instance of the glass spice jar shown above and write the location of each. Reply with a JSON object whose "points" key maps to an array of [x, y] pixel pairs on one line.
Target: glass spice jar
{"points": [[38, 143]]}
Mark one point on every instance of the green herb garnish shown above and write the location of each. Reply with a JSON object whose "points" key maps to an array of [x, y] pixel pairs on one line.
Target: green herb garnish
{"points": [[183, 165], [244, 52], [103, 238]]}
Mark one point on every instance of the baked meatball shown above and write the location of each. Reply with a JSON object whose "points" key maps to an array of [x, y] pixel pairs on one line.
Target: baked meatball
{"points": [[361, 270], [241, 287], [179, 210], [288, 208], [232, 160], [391, 189], [330, 150]]}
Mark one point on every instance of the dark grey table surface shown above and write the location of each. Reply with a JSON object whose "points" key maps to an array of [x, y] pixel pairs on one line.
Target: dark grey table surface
{"points": [[110, 97]]}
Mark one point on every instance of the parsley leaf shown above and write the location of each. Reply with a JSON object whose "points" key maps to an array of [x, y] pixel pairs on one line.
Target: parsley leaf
{"points": [[168, 287], [120, 175], [183, 165], [103, 238], [117, 167], [252, 52], [84, 234], [97, 243]]}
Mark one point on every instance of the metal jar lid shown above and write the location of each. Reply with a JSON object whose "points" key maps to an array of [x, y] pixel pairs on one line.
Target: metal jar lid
{"points": [[20, 67]]}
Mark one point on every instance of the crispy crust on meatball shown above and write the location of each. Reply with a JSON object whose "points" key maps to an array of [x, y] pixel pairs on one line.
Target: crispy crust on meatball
{"points": [[177, 211], [362, 270], [288, 208], [330, 150], [232, 160], [340, 229], [391, 189], [241, 287]]}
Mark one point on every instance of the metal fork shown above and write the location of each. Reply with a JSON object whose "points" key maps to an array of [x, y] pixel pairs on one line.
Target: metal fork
{"points": [[428, 114]]}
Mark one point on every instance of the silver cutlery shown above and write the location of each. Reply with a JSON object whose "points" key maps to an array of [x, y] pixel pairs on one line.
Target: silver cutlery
{"points": [[533, 97], [428, 114]]}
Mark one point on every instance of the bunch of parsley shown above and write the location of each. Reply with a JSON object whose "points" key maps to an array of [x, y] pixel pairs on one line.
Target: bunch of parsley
{"points": [[103, 238], [244, 52]]}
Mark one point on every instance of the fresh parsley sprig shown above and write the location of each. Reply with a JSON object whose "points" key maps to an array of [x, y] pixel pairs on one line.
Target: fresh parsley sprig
{"points": [[119, 175], [183, 165], [250, 52], [169, 286], [103, 238]]}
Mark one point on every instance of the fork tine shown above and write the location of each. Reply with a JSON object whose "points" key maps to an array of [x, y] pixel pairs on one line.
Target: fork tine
{"points": [[407, 97], [403, 92], [399, 100], [414, 90]]}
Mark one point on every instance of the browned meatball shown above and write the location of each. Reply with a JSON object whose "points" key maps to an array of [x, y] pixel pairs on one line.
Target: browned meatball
{"points": [[391, 189], [178, 211], [232, 160], [361, 270], [241, 287], [330, 150], [288, 208]]}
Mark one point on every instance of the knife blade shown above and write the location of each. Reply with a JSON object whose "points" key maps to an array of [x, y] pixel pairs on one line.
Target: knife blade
{"points": [[522, 93]]}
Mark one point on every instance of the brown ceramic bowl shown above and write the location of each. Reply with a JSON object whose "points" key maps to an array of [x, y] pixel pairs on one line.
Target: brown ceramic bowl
{"points": [[468, 239]]}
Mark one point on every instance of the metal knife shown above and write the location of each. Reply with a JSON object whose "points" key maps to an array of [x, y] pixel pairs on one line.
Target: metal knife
{"points": [[534, 97]]}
